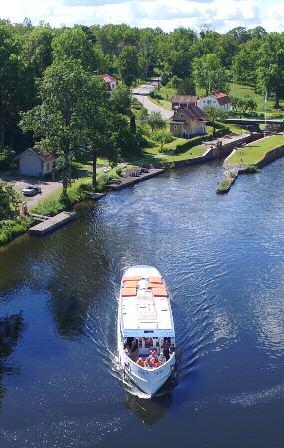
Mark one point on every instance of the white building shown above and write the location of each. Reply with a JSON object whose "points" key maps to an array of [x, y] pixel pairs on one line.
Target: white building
{"points": [[33, 163], [216, 99], [110, 81]]}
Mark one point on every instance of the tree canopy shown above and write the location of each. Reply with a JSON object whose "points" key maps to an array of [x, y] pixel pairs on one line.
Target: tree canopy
{"points": [[192, 60]]}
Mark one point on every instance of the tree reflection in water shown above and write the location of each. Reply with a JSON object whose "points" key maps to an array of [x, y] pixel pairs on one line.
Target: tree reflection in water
{"points": [[11, 329], [149, 411]]}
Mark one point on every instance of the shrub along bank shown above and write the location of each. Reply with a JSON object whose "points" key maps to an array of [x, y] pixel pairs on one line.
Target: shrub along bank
{"points": [[56, 203], [11, 228]]}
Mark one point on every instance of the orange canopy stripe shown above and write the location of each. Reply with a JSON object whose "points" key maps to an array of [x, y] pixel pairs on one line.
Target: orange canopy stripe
{"points": [[160, 292], [156, 285], [155, 280], [132, 278], [130, 284], [128, 292]]}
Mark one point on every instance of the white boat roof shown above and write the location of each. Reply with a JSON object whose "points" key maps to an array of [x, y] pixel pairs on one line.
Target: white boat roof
{"points": [[146, 314]]}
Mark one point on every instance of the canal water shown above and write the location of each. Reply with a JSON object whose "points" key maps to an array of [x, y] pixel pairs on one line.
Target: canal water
{"points": [[223, 260]]}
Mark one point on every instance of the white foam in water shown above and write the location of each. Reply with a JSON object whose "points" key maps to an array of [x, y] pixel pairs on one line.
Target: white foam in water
{"points": [[263, 396]]}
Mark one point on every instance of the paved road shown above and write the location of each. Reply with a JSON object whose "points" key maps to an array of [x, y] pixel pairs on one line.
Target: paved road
{"points": [[141, 94]]}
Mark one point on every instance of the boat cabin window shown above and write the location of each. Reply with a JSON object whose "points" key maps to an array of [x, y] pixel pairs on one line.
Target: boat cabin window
{"points": [[144, 344]]}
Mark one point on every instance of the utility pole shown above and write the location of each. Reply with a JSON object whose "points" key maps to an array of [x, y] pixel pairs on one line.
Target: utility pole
{"points": [[265, 111]]}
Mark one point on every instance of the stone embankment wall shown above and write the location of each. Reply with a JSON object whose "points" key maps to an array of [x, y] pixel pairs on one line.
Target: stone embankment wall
{"points": [[269, 157], [212, 153], [272, 155]]}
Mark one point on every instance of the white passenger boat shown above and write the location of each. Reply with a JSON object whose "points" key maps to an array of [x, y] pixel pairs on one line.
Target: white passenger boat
{"points": [[145, 329]]}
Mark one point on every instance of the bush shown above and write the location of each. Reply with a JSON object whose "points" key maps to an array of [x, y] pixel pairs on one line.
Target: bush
{"points": [[52, 206], [7, 158], [195, 141], [225, 184], [155, 95], [11, 228], [101, 182], [252, 169]]}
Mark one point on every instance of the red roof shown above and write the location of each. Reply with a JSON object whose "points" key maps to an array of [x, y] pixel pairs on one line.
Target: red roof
{"points": [[221, 97], [193, 112], [184, 99], [108, 78]]}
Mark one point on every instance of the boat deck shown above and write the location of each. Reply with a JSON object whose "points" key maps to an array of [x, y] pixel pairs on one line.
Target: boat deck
{"points": [[145, 302]]}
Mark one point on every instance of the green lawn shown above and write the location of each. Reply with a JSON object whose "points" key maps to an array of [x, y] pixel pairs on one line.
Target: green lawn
{"points": [[166, 94], [248, 92], [196, 151], [255, 152], [154, 154], [51, 205], [235, 90]]}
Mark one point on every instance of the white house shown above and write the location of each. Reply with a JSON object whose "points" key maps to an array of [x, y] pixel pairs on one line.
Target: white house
{"points": [[109, 80], [216, 99], [33, 163]]}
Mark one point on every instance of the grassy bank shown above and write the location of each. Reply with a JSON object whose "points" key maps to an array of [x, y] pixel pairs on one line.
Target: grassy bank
{"points": [[195, 151], [239, 90], [162, 96], [11, 228], [53, 204], [255, 152]]}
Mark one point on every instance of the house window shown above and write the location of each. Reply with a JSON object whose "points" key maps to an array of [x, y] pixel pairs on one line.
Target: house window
{"points": [[181, 115], [47, 166], [175, 127]]}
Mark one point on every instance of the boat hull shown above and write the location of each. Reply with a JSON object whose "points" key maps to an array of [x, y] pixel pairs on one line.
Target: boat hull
{"points": [[148, 380]]}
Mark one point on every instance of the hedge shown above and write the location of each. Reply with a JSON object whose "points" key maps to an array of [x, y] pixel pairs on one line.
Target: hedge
{"points": [[195, 141]]}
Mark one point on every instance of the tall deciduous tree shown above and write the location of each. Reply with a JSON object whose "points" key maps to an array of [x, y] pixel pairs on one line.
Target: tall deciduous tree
{"points": [[270, 73], [214, 114], [121, 103], [8, 201], [37, 50], [209, 73], [76, 44], [102, 126], [60, 120], [246, 61], [128, 65], [156, 121], [11, 80], [163, 137]]}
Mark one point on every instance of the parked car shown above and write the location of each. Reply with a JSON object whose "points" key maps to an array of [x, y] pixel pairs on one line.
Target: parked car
{"points": [[31, 190]]}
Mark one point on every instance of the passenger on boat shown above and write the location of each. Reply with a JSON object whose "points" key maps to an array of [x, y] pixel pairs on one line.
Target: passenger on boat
{"points": [[166, 349], [153, 352], [162, 359], [126, 351], [141, 362], [134, 351], [129, 342], [151, 361]]}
